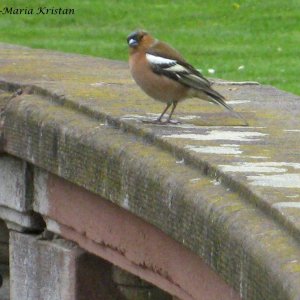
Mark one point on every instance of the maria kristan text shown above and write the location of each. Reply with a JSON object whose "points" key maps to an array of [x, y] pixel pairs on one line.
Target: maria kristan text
{"points": [[37, 11]]}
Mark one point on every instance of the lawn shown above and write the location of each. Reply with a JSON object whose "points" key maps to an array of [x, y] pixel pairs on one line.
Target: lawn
{"points": [[240, 40]]}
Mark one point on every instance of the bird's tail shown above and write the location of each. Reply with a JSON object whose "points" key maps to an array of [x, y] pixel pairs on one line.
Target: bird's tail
{"points": [[218, 99]]}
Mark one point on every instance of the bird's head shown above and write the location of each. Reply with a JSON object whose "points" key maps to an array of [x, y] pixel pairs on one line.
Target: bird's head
{"points": [[135, 38], [138, 40]]}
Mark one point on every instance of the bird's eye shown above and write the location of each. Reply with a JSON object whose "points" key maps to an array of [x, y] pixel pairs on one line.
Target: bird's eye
{"points": [[143, 35]]}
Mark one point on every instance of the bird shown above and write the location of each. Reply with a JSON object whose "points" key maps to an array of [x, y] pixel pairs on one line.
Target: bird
{"points": [[164, 75]]}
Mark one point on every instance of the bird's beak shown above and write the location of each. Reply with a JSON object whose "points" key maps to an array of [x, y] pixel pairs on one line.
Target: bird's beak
{"points": [[132, 43]]}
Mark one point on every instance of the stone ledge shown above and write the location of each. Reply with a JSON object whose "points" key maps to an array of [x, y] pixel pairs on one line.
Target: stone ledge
{"points": [[224, 192], [16, 190], [21, 221]]}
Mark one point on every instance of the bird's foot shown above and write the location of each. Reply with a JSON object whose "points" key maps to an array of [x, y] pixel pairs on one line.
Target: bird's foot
{"points": [[173, 122], [159, 122]]}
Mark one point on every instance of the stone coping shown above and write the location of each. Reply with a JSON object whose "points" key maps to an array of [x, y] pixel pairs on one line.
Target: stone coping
{"points": [[229, 193]]}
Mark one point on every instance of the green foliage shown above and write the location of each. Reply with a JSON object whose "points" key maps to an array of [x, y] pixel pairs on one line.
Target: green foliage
{"points": [[261, 36]]}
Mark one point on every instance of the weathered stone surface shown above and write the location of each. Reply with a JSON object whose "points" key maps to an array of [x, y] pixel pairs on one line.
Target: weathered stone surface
{"points": [[16, 194], [57, 270], [41, 269], [13, 184], [230, 194]]}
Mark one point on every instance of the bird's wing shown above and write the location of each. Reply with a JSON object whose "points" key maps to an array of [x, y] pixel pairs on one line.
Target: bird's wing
{"points": [[165, 60], [178, 70]]}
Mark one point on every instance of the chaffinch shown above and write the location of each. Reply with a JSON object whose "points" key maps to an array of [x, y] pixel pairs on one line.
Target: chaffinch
{"points": [[166, 76]]}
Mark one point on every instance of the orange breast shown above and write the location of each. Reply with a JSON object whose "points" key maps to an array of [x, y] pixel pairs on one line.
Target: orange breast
{"points": [[156, 86]]}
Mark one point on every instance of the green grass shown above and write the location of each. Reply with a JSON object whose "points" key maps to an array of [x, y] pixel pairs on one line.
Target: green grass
{"points": [[263, 36]]}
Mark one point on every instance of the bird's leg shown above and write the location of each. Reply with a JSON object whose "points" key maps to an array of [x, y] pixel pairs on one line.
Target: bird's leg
{"points": [[158, 121], [168, 121], [164, 111], [170, 116]]}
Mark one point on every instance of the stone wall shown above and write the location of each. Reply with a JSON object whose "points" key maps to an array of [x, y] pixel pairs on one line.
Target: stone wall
{"points": [[208, 209]]}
